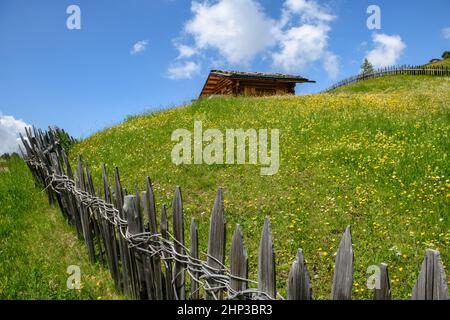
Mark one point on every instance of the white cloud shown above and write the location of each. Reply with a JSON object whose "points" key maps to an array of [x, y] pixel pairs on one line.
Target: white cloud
{"points": [[9, 134], [446, 33], [308, 10], [300, 46], [237, 29], [185, 51], [387, 50], [139, 47], [184, 70], [240, 30]]}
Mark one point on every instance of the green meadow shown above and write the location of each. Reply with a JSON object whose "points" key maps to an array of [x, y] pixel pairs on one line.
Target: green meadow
{"points": [[373, 155], [37, 246]]}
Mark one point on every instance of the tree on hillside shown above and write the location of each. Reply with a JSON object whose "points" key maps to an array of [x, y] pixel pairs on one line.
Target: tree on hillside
{"points": [[366, 67], [446, 55]]}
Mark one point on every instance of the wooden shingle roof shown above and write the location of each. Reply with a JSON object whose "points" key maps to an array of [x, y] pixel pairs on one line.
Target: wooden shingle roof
{"points": [[261, 75], [216, 75]]}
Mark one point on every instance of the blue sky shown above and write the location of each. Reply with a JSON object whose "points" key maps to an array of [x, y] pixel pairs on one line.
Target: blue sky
{"points": [[88, 79]]}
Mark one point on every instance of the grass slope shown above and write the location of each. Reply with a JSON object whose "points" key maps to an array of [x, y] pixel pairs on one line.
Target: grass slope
{"points": [[396, 84], [373, 155], [442, 63], [37, 246]]}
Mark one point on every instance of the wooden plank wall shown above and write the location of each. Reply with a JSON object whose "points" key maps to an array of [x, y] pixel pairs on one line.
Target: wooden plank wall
{"points": [[217, 85]]}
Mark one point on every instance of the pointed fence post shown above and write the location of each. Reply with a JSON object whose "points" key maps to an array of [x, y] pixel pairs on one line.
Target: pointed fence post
{"points": [[343, 269], [135, 226], [195, 294], [87, 230], [299, 286], [239, 263], [148, 259], [169, 292], [432, 281], [151, 207], [94, 215], [123, 246], [66, 195], [383, 292], [266, 263], [110, 234], [155, 261], [178, 232], [216, 244]]}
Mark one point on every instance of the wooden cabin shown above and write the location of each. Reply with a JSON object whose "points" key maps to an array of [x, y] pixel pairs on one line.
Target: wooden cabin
{"points": [[221, 82]]}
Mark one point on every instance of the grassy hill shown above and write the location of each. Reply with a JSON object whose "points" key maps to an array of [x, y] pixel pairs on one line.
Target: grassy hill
{"points": [[37, 245], [373, 155], [399, 84], [443, 63]]}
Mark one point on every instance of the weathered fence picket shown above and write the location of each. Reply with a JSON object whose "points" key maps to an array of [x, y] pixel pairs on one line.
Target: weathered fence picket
{"points": [[216, 244], [383, 291], [123, 247], [432, 281], [169, 286], [85, 221], [178, 232], [135, 227], [72, 202], [110, 234], [195, 294], [299, 286], [238, 263], [154, 261], [147, 264], [93, 212], [266, 263], [343, 269]]}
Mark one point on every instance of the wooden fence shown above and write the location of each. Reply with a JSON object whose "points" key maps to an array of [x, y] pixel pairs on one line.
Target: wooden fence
{"points": [[147, 262], [394, 70]]}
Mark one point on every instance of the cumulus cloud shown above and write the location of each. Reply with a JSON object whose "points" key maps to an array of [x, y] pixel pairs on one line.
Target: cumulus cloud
{"points": [[185, 51], [240, 30], [183, 70], [308, 10], [237, 29], [446, 33], [387, 50], [139, 47], [300, 46], [9, 133]]}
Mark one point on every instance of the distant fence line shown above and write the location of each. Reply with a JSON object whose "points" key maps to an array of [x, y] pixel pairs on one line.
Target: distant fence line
{"points": [[147, 262], [393, 70]]}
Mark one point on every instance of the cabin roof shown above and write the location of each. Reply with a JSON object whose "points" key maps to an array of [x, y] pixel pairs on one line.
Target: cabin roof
{"points": [[215, 75], [261, 75]]}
